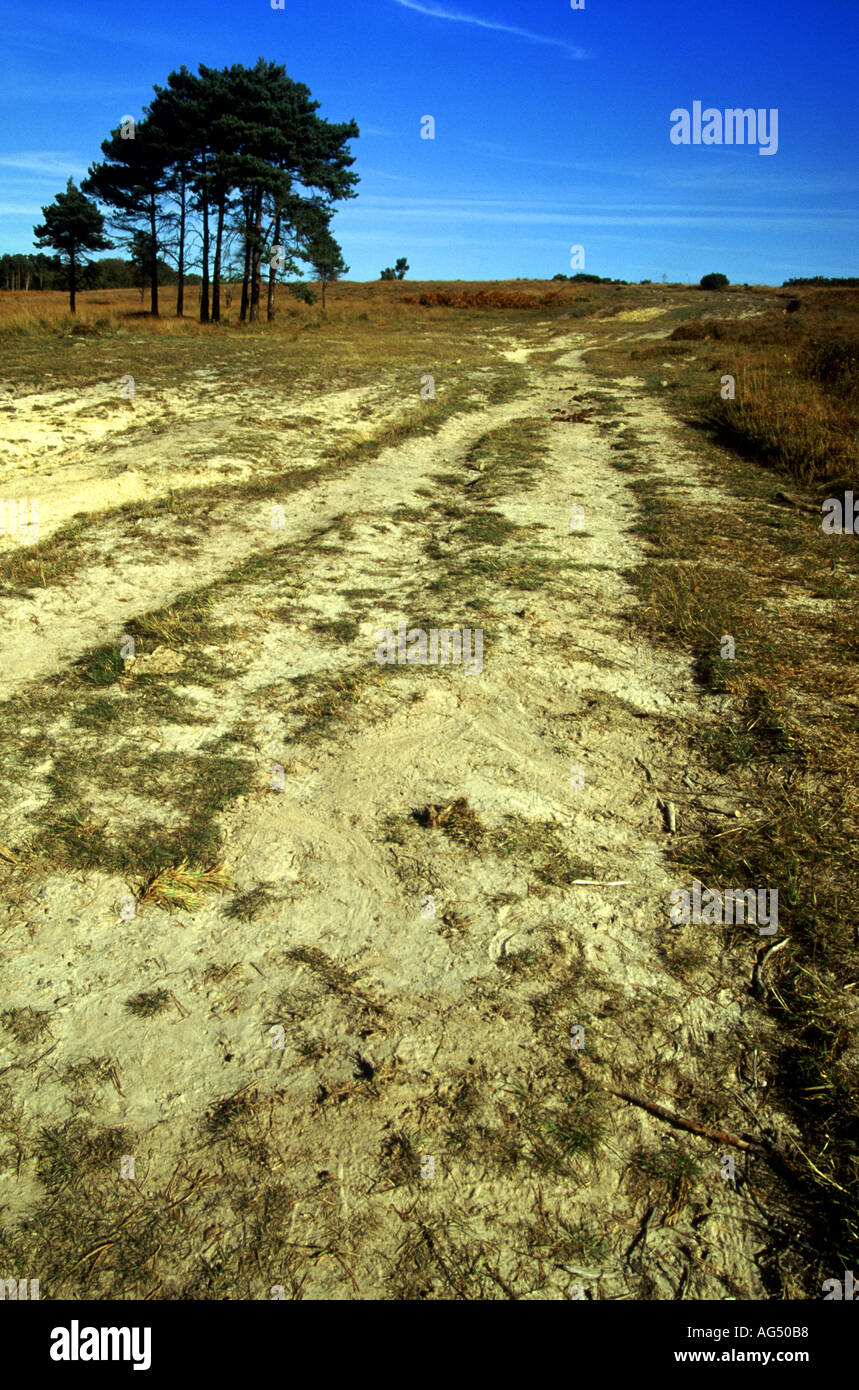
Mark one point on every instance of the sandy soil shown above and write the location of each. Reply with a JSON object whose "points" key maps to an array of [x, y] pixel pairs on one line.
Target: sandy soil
{"points": [[404, 993]]}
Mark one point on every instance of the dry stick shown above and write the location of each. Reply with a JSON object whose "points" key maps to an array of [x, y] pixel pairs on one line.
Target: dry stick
{"points": [[775, 1155], [680, 1122], [670, 1116]]}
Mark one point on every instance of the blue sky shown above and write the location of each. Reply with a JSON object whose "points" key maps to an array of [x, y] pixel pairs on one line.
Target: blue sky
{"points": [[552, 124]]}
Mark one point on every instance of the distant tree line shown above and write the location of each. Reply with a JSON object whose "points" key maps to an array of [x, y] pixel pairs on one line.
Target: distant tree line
{"points": [[582, 278], [227, 170], [21, 272], [815, 280]]}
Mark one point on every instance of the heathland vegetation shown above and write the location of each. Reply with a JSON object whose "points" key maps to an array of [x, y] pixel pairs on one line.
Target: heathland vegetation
{"points": [[395, 501]]}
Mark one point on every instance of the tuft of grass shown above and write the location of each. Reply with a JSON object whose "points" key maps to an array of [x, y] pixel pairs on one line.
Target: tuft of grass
{"points": [[488, 528], [27, 1025], [148, 1003], [457, 820], [247, 907], [182, 888], [399, 1160], [67, 1154], [539, 845]]}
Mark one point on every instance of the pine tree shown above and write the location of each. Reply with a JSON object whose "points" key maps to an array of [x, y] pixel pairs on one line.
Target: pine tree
{"points": [[74, 227], [325, 259], [131, 180]]}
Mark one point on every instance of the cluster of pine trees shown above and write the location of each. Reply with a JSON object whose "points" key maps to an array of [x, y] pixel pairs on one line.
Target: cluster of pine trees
{"points": [[223, 163]]}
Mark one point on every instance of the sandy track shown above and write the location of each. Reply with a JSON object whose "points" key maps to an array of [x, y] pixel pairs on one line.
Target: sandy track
{"points": [[430, 1012]]}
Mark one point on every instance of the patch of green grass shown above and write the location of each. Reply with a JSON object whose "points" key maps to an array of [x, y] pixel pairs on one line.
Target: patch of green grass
{"points": [[50, 561], [488, 528], [98, 713], [508, 458], [101, 666], [195, 787], [148, 1003], [68, 1153]]}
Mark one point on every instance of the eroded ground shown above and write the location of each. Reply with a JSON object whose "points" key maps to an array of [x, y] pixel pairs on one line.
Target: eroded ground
{"points": [[354, 1071]]}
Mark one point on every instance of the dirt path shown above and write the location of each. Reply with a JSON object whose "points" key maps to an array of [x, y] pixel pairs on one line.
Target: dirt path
{"points": [[433, 893]]}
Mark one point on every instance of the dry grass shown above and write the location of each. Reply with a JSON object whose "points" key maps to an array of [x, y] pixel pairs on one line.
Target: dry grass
{"points": [[785, 746], [223, 1228], [796, 406], [101, 312], [182, 888]]}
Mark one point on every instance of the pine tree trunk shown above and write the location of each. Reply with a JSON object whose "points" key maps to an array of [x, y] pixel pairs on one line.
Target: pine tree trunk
{"points": [[72, 286], [204, 288], [256, 259], [243, 312], [153, 261], [272, 272], [216, 279], [180, 290]]}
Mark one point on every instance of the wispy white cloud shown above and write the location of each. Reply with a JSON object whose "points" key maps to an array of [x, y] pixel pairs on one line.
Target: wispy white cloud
{"points": [[437, 12], [596, 214], [698, 176], [44, 163]]}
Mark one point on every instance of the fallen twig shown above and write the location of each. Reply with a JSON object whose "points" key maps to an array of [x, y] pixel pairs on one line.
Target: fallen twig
{"points": [[681, 1122], [670, 1116]]}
